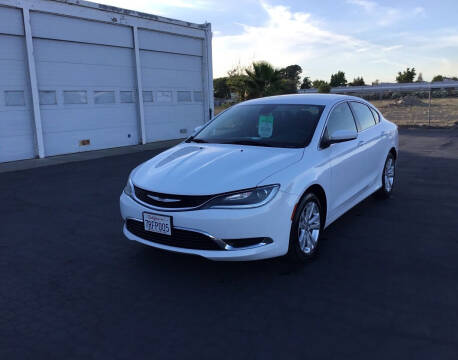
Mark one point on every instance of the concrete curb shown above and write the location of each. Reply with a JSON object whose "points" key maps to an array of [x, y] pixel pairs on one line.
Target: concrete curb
{"points": [[83, 156]]}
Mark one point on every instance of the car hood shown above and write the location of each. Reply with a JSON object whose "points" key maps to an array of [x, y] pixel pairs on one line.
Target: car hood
{"points": [[205, 169]]}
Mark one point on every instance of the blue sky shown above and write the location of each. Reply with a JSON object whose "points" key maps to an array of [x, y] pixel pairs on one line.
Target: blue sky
{"points": [[370, 38]]}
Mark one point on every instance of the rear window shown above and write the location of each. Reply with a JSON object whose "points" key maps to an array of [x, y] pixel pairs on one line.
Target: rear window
{"points": [[363, 115], [376, 115]]}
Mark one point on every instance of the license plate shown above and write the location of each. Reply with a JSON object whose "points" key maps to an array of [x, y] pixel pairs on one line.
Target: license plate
{"points": [[158, 223]]}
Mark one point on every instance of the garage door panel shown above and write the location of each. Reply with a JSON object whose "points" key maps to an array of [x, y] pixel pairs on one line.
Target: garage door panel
{"points": [[158, 60], [91, 118], [74, 53], [17, 138], [168, 122], [11, 21], [84, 76], [68, 66], [74, 29], [108, 138], [87, 79], [171, 72], [173, 79], [13, 65], [158, 41], [15, 123], [14, 148]]}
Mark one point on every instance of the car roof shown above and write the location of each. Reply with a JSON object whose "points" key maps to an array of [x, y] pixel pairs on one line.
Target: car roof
{"points": [[307, 99]]}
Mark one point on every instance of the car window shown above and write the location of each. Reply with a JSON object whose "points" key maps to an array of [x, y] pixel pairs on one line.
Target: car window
{"points": [[363, 115], [376, 115], [341, 118], [275, 125]]}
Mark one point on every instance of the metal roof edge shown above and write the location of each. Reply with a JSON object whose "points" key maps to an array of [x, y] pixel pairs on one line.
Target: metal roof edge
{"points": [[114, 9]]}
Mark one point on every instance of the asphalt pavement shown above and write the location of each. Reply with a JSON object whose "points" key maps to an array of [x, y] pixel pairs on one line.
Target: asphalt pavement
{"points": [[385, 284]]}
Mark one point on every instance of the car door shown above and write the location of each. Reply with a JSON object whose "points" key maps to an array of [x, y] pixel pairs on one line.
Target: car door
{"points": [[345, 161], [369, 141]]}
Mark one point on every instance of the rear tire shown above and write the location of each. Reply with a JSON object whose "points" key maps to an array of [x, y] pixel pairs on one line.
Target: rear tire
{"points": [[388, 175], [306, 230]]}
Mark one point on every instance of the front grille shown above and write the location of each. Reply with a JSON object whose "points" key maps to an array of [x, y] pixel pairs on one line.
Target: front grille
{"points": [[179, 238], [170, 201]]}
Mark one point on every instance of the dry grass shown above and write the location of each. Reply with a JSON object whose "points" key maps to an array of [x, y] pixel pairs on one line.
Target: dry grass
{"points": [[218, 109], [443, 112]]}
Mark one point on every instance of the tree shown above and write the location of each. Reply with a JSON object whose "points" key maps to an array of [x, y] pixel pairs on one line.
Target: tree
{"points": [[221, 89], [376, 83], [237, 82], [438, 78], [324, 88], [407, 76], [338, 79], [420, 77], [263, 80], [287, 86], [293, 73], [357, 81], [306, 83], [316, 83]]}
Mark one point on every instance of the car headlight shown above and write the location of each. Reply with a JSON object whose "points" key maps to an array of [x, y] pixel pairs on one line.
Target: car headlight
{"points": [[129, 188], [244, 199]]}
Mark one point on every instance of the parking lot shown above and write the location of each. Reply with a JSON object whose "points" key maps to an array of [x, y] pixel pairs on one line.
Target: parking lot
{"points": [[385, 285]]}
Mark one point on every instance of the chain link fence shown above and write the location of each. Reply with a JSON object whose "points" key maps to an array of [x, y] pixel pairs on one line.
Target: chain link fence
{"points": [[412, 104], [437, 108]]}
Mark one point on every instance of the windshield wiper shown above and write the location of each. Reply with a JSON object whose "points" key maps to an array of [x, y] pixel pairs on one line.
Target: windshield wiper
{"points": [[198, 140], [249, 142]]}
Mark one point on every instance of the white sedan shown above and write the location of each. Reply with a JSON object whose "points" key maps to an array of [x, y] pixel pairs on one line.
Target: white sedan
{"points": [[263, 178]]}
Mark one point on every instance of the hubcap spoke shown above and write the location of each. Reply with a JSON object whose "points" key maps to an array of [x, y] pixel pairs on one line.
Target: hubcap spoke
{"points": [[389, 174], [309, 227]]}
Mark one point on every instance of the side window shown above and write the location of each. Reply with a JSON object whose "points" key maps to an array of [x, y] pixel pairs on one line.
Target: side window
{"points": [[341, 118], [363, 115], [376, 115]]}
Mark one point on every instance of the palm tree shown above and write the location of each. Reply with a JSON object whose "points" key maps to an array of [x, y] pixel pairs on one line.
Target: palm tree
{"points": [[263, 80]]}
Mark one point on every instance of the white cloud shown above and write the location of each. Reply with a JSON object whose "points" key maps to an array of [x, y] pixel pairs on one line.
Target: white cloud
{"points": [[286, 38], [419, 11], [289, 37], [385, 15], [391, 48], [369, 6]]}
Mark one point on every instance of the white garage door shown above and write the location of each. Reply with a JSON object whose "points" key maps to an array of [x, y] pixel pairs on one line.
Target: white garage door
{"points": [[172, 84], [86, 80], [16, 120]]}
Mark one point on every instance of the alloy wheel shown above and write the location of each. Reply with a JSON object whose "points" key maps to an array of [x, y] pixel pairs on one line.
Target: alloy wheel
{"points": [[389, 174], [309, 227]]}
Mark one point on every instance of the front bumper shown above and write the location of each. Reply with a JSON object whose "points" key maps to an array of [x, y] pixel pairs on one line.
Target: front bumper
{"points": [[271, 221]]}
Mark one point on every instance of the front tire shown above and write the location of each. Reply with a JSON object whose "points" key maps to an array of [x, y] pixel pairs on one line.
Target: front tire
{"points": [[306, 229], [388, 174]]}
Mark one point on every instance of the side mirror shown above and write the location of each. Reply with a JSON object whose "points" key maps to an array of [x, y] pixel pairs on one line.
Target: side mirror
{"points": [[342, 136], [338, 137]]}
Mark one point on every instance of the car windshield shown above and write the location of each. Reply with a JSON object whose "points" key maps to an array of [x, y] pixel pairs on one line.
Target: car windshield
{"points": [[272, 125]]}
